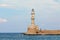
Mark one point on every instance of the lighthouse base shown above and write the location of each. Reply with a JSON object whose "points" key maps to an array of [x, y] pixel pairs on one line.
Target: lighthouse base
{"points": [[32, 29]]}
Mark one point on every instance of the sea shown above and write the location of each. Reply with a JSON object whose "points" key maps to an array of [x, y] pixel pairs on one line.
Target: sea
{"points": [[21, 36]]}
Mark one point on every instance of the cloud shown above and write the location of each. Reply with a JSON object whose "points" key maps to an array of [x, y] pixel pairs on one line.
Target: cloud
{"points": [[30, 3], [8, 3], [4, 5], [2, 20], [7, 6]]}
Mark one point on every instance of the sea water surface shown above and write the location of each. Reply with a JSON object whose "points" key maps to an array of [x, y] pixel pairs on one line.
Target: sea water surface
{"points": [[20, 36]]}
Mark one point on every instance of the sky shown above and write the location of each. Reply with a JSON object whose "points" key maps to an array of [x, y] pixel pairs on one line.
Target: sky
{"points": [[15, 15]]}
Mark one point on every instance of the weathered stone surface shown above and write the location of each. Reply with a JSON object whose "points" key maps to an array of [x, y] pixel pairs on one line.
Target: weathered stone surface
{"points": [[33, 29]]}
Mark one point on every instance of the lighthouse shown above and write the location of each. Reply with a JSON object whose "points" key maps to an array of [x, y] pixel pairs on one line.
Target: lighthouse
{"points": [[32, 29], [32, 17]]}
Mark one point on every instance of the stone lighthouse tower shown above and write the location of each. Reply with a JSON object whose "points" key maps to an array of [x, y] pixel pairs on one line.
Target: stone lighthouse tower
{"points": [[33, 29], [32, 17]]}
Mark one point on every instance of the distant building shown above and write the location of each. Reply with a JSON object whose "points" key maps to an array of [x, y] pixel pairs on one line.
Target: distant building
{"points": [[33, 29]]}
